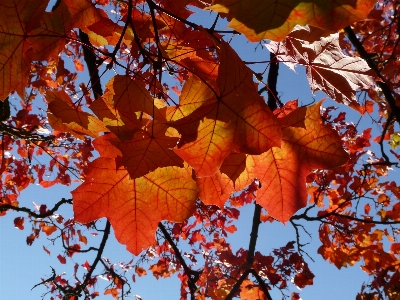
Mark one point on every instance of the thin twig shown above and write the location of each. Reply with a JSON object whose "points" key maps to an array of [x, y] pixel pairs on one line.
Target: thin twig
{"points": [[5, 207]]}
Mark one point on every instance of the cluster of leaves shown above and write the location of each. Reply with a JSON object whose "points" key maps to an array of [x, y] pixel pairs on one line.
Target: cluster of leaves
{"points": [[178, 154]]}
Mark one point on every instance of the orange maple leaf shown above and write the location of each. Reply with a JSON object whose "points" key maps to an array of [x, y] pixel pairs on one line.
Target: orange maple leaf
{"points": [[251, 291], [64, 116], [134, 207], [274, 19], [307, 144], [231, 117], [126, 107], [143, 144], [215, 189], [29, 33]]}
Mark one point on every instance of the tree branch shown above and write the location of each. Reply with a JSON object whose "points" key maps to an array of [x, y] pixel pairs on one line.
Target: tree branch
{"points": [[88, 276], [192, 275], [237, 285], [382, 84], [272, 82], [254, 234], [90, 59], [5, 207]]}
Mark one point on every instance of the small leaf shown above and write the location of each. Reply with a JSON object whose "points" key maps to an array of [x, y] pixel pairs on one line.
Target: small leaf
{"points": [[140, 271], [61, 259], [19, 223], [49, 229]]}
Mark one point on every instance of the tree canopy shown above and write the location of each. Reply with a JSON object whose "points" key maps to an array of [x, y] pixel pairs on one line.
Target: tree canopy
{"points": [[169, 132]]}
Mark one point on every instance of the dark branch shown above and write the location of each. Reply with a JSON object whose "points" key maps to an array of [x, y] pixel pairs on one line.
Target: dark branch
{"points": [[190, 273], [254, 234], [88, 276], [5, 207], [320, 218], [382, 84], [90, 59], [237, 285], [272, 82]]}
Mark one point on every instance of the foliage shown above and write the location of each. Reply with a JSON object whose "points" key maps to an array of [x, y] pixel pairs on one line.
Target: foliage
{"points": [[179, 138]]}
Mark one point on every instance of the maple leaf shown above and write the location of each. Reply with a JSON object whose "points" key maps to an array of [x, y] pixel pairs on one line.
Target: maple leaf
{"points": [[235, 118], [64, 116], [328, 69], [307, 144], [106, 32], [149, 151], [274, 19], [126, 107], [17, 19], [29, 33], [190, 48], [134, 206], [143, 144], [146, 152]]}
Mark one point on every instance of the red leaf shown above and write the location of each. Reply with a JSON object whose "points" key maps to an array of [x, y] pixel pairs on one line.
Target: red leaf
{"points": [[61, 259], [19, 223]]}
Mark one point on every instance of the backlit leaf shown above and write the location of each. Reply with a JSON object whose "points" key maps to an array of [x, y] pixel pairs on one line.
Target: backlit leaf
{"points": [[134, 206], [282, 171], [328, 69], [235, 119], [274, 19], [66, 117]]}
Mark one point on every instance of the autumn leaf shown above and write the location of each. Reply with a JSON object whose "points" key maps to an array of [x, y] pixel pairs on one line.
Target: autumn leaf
{"points": [[250, 291], [328, 69], [106, 32], [48, 229], [306, 145], [148, 150], [15, 61], [64, 116], [215, 189], [190, 48], [19, 223], [126, 107], [134, 206], [234, 119], [274, 19], [143, 144], [140, 271], [61, 259], [195, 93], [29, 33]]}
